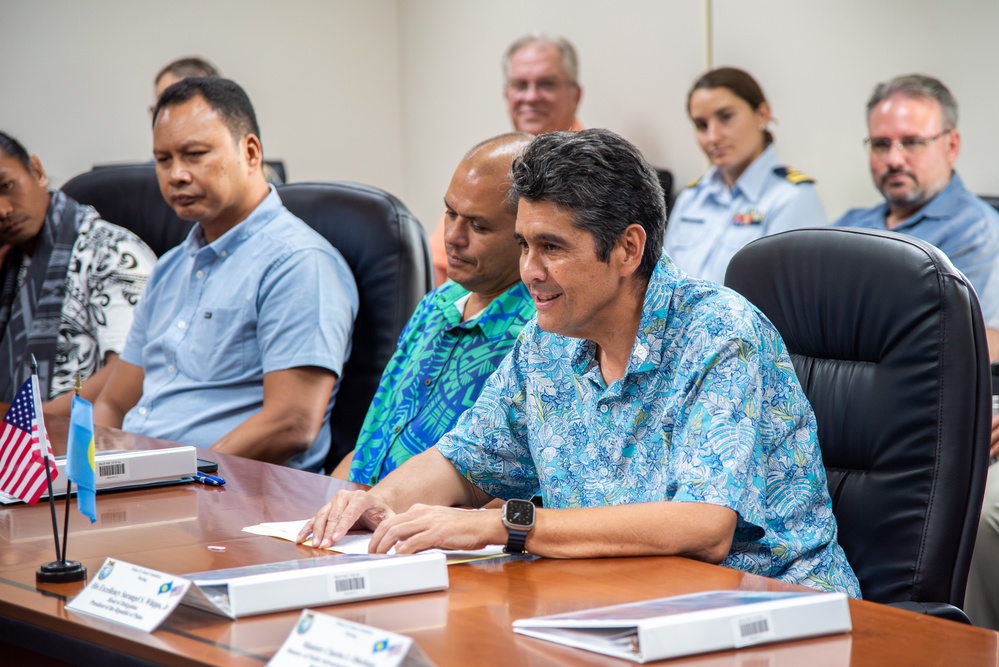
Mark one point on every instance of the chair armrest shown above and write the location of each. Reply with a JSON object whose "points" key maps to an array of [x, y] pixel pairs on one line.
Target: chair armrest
{"points": [[937, 609]]}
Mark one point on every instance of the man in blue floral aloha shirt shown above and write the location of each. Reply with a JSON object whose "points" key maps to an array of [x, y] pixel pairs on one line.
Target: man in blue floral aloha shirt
{"points": [[653, 413]]}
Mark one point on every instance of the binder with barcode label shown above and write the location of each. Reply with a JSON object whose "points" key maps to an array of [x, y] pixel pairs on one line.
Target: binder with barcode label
{"points": [[126, 469], [695, 623], [314, 582]]}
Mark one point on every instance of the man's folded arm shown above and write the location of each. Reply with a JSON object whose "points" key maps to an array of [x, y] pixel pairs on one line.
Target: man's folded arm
{"points": [[120, 393], [696, 530], [295, 401]]}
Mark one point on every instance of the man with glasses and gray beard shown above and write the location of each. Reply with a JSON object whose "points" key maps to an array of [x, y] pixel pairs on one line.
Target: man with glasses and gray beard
{"points": [[913, 143]]}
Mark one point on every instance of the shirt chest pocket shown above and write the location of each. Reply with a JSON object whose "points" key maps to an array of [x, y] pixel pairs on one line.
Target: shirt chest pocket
{"points": [[688, 231], [218, 345]]}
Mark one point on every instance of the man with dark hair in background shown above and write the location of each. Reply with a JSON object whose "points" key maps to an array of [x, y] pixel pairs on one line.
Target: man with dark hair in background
{"points": [[69, 283], [179, 70], [655, 414], [245, 326]]}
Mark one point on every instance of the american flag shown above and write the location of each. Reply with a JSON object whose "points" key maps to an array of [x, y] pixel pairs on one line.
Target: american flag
{"points": [[22, 466]]}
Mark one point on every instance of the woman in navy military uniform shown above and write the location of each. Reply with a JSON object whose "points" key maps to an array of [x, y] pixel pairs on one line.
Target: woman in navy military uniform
{"points": [[747, 193]]}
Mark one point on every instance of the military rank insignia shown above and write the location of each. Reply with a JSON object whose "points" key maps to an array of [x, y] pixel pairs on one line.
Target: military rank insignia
{"points": [[793, 175], [750, 216]]}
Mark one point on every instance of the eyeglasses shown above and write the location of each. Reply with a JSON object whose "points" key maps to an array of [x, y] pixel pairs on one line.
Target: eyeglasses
{"points": [[543, 86], [905, 145]]}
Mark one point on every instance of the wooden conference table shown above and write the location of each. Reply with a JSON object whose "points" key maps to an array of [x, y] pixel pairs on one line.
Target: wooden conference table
{"points": [[171, 528]]}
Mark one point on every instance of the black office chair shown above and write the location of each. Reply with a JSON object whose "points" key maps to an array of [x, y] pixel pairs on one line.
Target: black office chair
{"points": [[386, 248], [128, 195], [888, 341], [278, 169], [666, 180]]}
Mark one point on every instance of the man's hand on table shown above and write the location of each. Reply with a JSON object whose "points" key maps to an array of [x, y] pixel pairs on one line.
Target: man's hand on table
{"points": [[433, 526], [347, 510], [418, 528]]}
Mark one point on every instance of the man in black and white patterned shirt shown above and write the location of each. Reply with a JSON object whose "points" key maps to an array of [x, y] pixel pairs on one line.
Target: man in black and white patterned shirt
{"points": [[69, 283]]}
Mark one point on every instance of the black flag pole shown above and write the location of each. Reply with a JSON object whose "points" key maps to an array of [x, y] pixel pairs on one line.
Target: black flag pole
{"points": [[60, 571], [55, 521], [48, 471], [69, 485]]}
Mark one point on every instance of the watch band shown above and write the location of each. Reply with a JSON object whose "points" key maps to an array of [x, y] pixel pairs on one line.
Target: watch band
{"points": [[516, 541]]}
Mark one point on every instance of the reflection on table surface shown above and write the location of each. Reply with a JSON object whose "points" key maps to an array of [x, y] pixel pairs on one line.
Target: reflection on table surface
{"points": [[171, 529]]}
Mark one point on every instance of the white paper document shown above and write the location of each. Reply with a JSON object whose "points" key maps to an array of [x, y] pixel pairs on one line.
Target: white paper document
{"points": [[356, 542]]}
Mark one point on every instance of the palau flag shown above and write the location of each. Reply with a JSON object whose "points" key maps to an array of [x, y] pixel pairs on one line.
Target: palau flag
{"points": [[80, 466]]}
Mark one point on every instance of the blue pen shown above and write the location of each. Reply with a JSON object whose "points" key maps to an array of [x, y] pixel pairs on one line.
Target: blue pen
{"points": [[210, 480]]}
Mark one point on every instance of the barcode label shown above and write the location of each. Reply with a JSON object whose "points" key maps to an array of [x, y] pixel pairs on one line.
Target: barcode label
{"points": [[110, 469], [350, 583], [112, 518], [752, 629]]}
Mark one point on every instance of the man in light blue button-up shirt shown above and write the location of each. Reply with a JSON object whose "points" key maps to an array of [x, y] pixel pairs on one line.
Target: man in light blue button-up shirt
{"points": [[913, 144], [244, 328]]}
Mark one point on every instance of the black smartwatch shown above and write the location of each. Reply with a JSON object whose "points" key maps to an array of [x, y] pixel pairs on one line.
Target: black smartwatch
{"points": [[518, 517]]}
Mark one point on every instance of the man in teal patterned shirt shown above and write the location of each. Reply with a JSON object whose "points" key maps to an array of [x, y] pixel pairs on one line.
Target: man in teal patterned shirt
{"points": [[462, 330], [655, 414]]}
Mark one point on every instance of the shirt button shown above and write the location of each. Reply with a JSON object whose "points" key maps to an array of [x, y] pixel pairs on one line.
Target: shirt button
{"points": [[427, 382], [603, 408], [142, 411], [171, 369], [224, 253], [395, 429], [182, 324], [200, 274]]}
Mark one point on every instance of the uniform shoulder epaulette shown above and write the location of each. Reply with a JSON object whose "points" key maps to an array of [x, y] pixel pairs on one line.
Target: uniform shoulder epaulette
{"points": [[694, 182], [793, 175]]}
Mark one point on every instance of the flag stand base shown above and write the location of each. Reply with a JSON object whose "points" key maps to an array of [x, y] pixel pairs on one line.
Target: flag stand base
{"points": [[61, 572]]}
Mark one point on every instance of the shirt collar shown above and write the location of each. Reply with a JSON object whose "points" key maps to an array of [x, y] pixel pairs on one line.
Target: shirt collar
{"points": [[752, 181], [945, 204], [494, 321], [229, 242], [57, 199], [647, 352]]}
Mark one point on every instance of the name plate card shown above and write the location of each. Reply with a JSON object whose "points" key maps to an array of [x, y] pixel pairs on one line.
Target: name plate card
{"points": [[321, 640], [131, 595]]}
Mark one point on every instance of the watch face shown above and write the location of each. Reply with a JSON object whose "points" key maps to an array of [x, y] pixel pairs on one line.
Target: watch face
{"points": [[520, 512]]}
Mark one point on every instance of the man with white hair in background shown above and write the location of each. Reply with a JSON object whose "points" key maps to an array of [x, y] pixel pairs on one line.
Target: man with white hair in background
{"points": [[541, 84], [542, 92]]}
